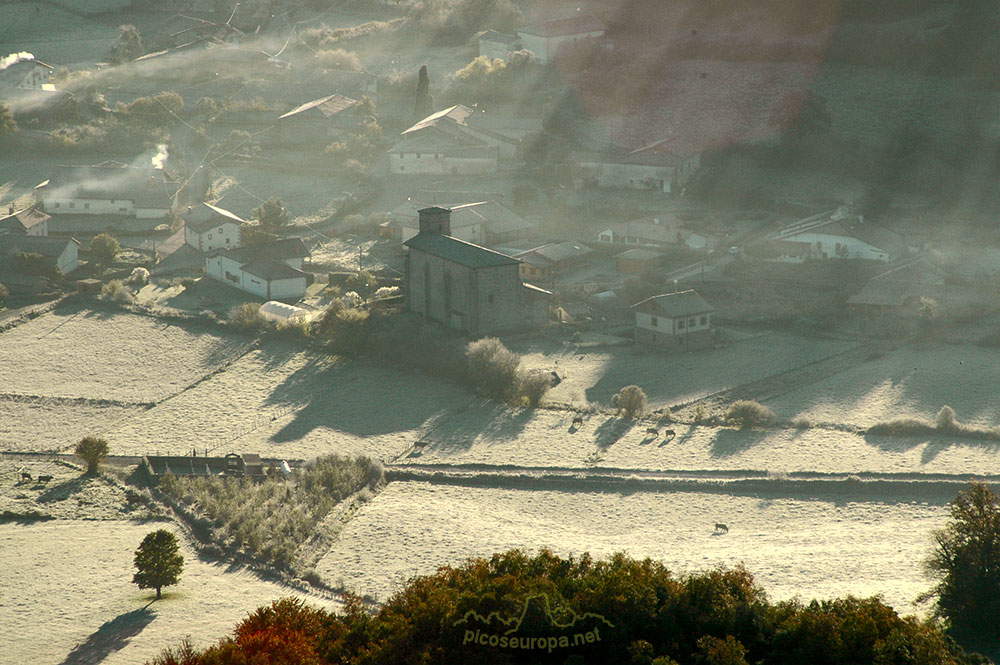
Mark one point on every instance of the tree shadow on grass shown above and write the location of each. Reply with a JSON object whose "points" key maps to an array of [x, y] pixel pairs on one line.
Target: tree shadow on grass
{"points": [[611, 431], [111, 637], [66, 489], [729, 442]]}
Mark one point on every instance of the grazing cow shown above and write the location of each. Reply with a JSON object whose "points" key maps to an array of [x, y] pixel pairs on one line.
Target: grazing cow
{"points": [[652, 431], [44, 479], [26, 477], [670, 433], [722, 528], [578, 421]]}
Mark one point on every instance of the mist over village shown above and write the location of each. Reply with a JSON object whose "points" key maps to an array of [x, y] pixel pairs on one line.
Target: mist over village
{"points": [[376, 332]]}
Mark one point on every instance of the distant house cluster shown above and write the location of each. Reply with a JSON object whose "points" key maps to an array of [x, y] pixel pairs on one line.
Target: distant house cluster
{"points": [[109, 188], [835, 234], [546, 40], [26, 232]]}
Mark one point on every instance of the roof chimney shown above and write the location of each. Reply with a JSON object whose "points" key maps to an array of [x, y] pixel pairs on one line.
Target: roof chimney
{"points": [[435, 220], [11, 209]]}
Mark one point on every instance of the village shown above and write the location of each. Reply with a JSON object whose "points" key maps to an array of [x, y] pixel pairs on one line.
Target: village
{"points": [[246, 242]]}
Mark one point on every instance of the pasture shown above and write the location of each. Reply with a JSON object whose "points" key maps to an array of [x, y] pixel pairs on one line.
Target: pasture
{"points": [[68, 595], [63, 38], [52, 424], [74, 352], [808, 548]]}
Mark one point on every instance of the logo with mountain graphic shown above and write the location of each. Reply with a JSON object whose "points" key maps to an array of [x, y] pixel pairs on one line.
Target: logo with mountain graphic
{"points": [[535, 627]]}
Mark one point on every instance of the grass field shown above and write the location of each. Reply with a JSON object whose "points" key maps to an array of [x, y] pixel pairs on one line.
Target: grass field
{"points": [[672, 378], [282, 401], [47, 424], [74, 352], [63, 38], [811, 549], [68, 598]]}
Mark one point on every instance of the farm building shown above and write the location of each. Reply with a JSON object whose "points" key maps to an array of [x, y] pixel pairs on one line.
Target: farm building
{"points": [[839, 234], [898, 288], [547, 39], [478, 221], [30, 222], [22, 71], [110, 188], [463, 285], [61, 253], [280, 312], [208, 227], [271, 270], [674, 319], [545, 262], [638, 260], [444, 142], [780, 251], [498, 45], [320, 120], [664, 166], [232, 466]]}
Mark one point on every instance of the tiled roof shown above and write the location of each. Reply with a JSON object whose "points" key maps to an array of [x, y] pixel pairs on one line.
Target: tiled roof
{"points": [[574, 25], [270, 269], [329, 106], [23, 220], [459, 251], [45, 245], [206, 216], [279, 250], [682, 303]]}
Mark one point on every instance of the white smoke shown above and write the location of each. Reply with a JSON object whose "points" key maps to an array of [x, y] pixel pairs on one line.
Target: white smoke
{"points": [[160, 157], [14, 58]]}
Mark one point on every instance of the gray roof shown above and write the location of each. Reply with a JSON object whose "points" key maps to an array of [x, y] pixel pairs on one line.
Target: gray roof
{"points": [[498, 37], [270, 269], [279, 250], [45, 245], [638, 254], [206, 216], [23, 220], [546, 255], [458, 251], [329, 106], [680, 304]]}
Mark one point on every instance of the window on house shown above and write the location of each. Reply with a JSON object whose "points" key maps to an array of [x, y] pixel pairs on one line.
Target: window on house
{"points": [[227, 241], [703, 320], [122, 209], [680, 325], [72, 205], [418, 155], [56, 205], [401, 167], [112, 201], [691, 321], [209, 236], [86, 206], [489, 299]]}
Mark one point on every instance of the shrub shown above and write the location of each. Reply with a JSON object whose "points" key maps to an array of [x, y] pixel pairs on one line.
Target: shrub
{"points": [[387, 291], [493, 368], [247, 316], [338, 59], [946, 419], [139, 276], [747, 413], [349, 331], [630, 400], [104, 249], [534, 386], [116, 291], [92, 449]]}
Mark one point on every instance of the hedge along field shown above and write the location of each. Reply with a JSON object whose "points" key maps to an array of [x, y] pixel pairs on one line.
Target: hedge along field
{"points": [[48, 424], [100, 355], [68, 585], [806, 548], [281, 401], [906, 383]]}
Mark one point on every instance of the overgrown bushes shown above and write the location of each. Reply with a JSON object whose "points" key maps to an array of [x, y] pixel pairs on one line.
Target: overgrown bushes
{"points": [[116, 291], [493, 368], [271, 519], [630, 401], [747, 413], [945, 423], [247, 317]]}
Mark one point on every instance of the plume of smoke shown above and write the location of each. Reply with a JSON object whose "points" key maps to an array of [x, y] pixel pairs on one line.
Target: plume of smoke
{"points": [[14, 58], [160, 157]]}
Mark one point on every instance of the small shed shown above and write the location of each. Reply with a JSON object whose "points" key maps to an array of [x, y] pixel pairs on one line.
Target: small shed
{"points": [[279, 312], [89, 285]]}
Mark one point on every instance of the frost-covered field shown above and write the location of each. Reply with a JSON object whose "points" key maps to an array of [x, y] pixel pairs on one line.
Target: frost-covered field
{"points": [[906, 383], [673, 378], [50, 425], [492, 435], [66, 596], [103, 356], [282, 401], [810, 549]]}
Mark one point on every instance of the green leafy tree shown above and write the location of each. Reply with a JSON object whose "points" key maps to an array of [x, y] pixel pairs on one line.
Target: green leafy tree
{"points": [[8, 126], [158, 561], [92, 449], [104, 249], [271, 215], [966, 561], [128, 46]]}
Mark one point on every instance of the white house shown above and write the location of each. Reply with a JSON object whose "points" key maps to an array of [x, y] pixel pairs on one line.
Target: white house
{"points": [[547, 39], [22, 71], [665, 166], [445, 143], [839, 234], [109, 189], [498, 45], [208, 227], [272, 271], [63, 253], [673, 319], [30, 222]]}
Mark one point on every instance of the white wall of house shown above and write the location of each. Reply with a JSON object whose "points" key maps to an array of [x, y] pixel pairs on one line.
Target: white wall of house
{"points": [[828, 246], [547, 48], [293, 287], [40, 229], [231, 272], [429, 162], [36, 77], [668, 326], [69, 260], [631, 176], [224, 236], [494, 50], [65, 205]]}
